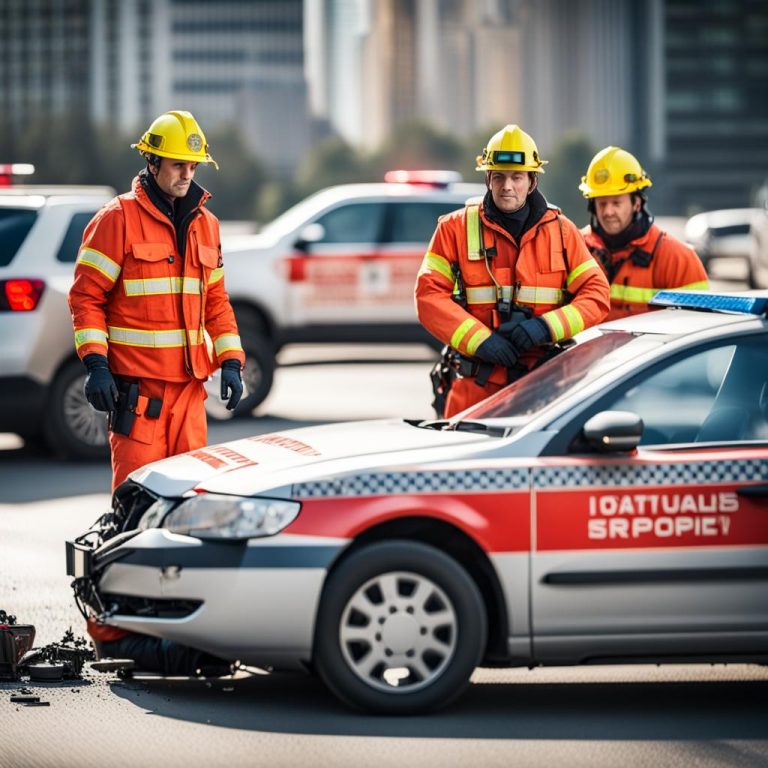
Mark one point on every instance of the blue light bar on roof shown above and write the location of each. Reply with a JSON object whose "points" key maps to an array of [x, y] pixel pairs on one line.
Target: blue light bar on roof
{"points": [[714, 302]]}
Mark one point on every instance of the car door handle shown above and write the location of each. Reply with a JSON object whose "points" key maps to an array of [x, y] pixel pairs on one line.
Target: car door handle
{"points": [[753, 490]]}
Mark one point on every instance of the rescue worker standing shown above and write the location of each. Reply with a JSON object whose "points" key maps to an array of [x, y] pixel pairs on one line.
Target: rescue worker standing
{"points": [[149, 284], [638, 258], [504, 278]]}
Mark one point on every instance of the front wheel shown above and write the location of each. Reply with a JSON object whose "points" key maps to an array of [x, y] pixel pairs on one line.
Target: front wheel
{"points": [[73, 428], [401, 627]]}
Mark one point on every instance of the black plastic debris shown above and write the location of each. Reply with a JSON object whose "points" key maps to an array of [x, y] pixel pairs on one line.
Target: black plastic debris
{"points": [[58, 661]]}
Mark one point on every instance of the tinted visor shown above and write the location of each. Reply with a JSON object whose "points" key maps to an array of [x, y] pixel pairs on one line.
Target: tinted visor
{"points": [[506, 156]]}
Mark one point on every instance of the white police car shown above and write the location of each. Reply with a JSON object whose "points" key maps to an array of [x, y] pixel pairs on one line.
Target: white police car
{"points": [[609, 506]]}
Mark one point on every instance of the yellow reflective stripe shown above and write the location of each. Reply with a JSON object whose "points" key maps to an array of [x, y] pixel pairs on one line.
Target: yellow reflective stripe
{"points": [[100, 262], [552, 319], [476, 339], [473, 232], [216, 275], [483, 294], [461, 332], [539, 295], [155, 286], [702, 285], [574, 318], [631, 294], [436, 263], [227, 342], [90, 336], [527, 294], [134, 337], [196, 337], [583, 267]]}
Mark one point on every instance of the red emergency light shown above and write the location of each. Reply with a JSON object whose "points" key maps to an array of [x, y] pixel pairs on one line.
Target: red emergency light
{"points": [[425, 178], [9, 170]]}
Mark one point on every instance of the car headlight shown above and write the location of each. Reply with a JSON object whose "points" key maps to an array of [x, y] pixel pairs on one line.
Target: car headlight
{"points": [[697, 228], [154, 515], [215, 516]]}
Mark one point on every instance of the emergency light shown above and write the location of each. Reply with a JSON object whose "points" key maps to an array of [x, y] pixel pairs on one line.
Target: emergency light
{"points": [[9, 170], [429, 178], [713, 302]]}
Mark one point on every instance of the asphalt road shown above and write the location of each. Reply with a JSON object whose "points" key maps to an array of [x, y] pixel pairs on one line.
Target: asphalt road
{"points": [[635, 716]]}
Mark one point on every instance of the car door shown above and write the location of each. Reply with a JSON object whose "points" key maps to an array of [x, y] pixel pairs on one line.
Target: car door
{"points": [[409, 226], [663, 551], [331, 280]]}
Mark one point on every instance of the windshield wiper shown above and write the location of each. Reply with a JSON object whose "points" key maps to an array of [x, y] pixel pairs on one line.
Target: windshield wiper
{"points": [[479, 426], [429, 424]]}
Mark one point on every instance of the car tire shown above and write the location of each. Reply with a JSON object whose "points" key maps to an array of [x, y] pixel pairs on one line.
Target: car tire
{"points": [[258, 376], [73, 429], [400, 629]]}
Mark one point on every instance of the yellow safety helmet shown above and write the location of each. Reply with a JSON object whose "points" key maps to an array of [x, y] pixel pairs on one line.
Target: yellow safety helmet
{"points": [[613, 171], [176, 135], [511, 149]]}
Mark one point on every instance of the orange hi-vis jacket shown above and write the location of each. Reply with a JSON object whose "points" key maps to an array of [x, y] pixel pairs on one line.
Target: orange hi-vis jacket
{"points": [[551, 272], [661, 261], [137, 301]]}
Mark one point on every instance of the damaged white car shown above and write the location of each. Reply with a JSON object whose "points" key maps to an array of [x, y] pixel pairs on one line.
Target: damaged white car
{"points": [[608, 506]]}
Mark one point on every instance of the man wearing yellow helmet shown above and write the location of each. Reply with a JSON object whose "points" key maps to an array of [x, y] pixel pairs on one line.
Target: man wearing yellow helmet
{"points": [[638, 258], [504, 278], [148, 289]]}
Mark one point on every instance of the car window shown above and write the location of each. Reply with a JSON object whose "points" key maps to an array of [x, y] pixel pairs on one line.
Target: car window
{"points": [[716, 395], [70, 245], [354, 223], [15, 224], [415, 222], [562, 375]]}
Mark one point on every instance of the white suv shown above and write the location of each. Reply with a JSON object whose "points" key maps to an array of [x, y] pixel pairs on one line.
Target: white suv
{"points": [[41, 377], [339, 266]]}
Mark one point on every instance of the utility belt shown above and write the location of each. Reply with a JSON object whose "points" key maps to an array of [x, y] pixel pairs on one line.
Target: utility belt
{"points": [[131, 404]]}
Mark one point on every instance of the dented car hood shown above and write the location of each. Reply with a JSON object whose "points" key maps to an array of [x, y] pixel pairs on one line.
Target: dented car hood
{"points": [[275, 461]]}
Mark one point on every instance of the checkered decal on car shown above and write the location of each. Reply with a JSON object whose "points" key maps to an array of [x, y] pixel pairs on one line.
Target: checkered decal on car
{"points": [[680, 473], [383, 483]]}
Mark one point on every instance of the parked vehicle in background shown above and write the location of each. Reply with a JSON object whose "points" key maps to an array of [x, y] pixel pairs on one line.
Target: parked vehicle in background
{"points": [[758, 265], [41, 377], [339, 266], [736, 233]]}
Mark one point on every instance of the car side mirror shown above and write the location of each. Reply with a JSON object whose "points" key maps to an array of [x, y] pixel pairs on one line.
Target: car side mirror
{"points": [[613, 431], [311, 233]]}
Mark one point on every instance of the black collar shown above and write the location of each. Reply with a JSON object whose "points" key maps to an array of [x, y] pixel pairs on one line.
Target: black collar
{"points": [[520, 221]]}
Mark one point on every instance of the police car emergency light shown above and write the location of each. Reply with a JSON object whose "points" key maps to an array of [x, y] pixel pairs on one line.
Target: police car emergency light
{"points": [[712, 302]]}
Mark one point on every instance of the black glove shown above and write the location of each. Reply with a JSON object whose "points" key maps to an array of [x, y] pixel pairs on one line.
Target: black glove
{"points": [[100, 387], [231, 382], [530, 333], [496, 349]]}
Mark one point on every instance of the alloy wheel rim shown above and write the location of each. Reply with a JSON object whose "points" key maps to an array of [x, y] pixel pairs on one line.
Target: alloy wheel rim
{"points": [[398, 632], [87, 424]]}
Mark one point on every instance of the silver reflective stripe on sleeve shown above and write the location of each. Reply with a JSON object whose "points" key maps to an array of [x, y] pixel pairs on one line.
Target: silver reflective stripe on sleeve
{"points": [[227, 342], [99, 262], [90, 336]]}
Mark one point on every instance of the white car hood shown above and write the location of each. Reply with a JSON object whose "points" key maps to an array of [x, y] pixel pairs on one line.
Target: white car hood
{"points": [[278, 460]]}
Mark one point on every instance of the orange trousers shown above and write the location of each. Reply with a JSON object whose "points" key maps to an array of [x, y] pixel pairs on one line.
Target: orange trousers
{"points": [[466, 392], [180, 427]]}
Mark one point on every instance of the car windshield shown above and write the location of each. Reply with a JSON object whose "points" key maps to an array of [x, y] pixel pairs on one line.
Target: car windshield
{"points": [[576, 367], [294, 217]]}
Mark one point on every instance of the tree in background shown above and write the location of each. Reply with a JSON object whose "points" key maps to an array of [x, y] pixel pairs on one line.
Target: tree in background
{"points": [[560, 183]]}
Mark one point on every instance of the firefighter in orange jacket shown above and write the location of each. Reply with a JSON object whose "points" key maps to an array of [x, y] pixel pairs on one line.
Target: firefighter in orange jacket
{"points": [[504, 278], [638, 258], [148, 299]]}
